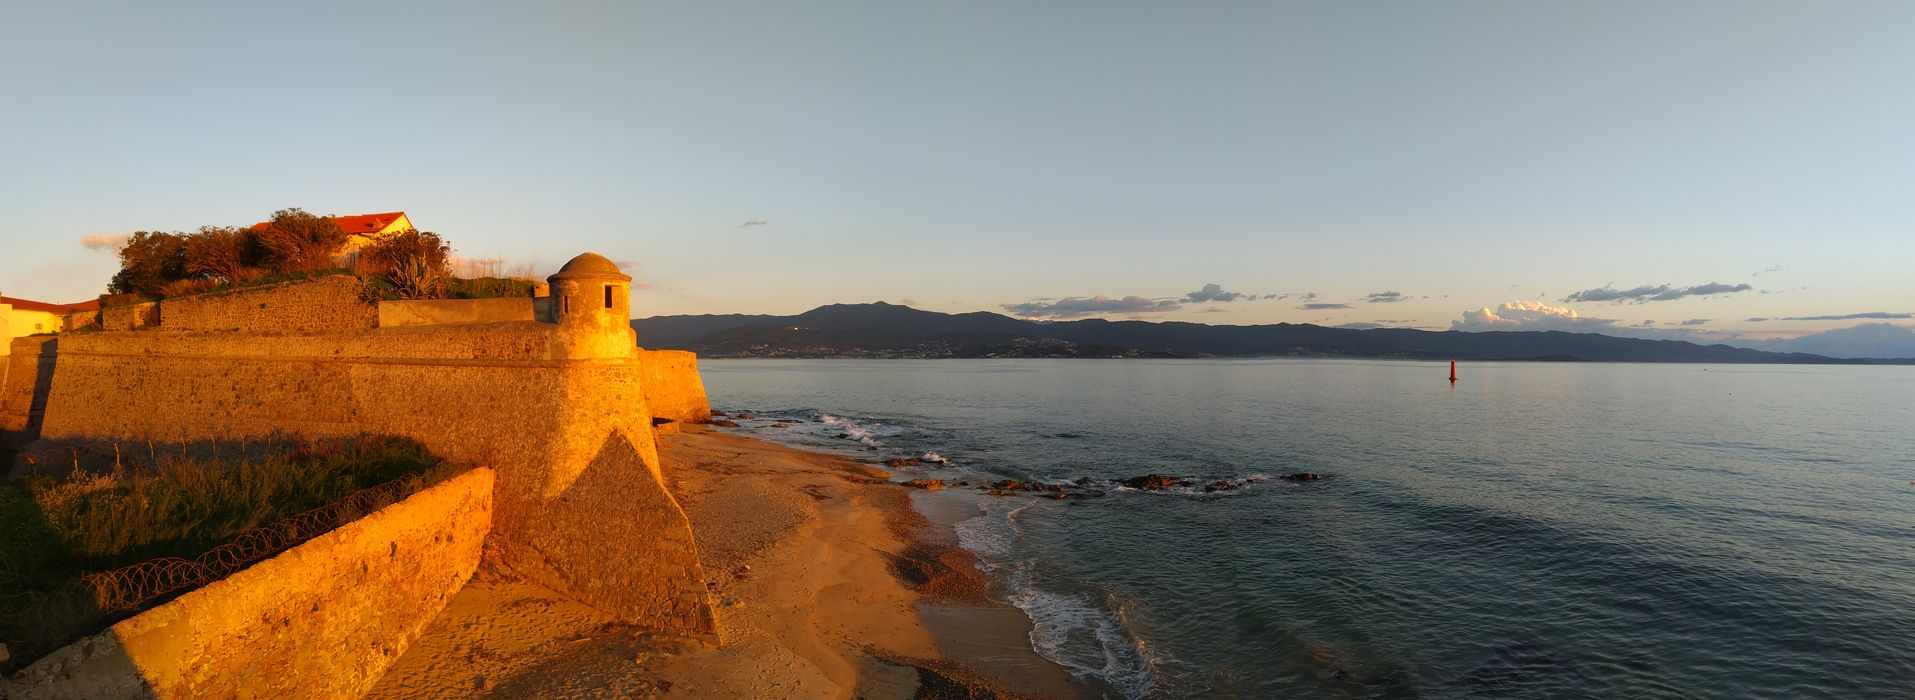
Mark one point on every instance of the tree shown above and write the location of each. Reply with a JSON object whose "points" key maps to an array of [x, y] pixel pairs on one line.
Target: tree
{"points": [[418, 264], [222, 255], [150, 260], [295, 241]]}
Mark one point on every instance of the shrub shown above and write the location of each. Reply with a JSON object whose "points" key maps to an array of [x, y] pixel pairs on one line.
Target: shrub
{"points": [[295, 241], [223, 255], [149, 261], [418, 264]]}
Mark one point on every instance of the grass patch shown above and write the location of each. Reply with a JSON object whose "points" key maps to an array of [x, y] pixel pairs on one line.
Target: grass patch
{"points": [[53, 531], [489, 288]]}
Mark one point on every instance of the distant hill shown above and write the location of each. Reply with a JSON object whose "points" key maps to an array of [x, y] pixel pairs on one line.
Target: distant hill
{"points": [[891, 331]]}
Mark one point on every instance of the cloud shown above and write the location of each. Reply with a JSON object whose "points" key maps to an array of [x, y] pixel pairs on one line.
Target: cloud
{"points": [[1646, 323], [1529, 315], [1384, 297], [1660, 292], [1321, 307], [1875, 315], [1214, 292], [1771, 268], [105, 243], [1696, 321], [908, 302], [754, 222], [1073, 307]]}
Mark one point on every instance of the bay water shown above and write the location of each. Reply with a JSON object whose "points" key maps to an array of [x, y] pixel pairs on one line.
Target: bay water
{"points": [[1534, 530]]}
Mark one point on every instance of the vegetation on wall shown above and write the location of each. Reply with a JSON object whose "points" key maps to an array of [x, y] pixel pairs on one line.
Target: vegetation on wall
{"points": [[417, 264], [160, 264], [296, 245]]}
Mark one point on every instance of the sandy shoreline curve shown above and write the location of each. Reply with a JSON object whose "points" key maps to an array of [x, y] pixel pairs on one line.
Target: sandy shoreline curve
{"points": [[828, 584]]}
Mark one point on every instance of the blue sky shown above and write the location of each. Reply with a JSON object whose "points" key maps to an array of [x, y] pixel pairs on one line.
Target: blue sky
{"points": [[1006, 155]]}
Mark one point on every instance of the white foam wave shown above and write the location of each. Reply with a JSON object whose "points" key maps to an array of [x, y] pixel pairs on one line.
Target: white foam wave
{"points": [[934, 458], [1085, 638]]}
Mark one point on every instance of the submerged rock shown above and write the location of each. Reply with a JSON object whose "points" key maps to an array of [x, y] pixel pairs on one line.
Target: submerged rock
{"points": [[1301, 476], [1008, 485], [926, 484], [1152, 482], [725, 423], [896, 462], [1219, 485]]}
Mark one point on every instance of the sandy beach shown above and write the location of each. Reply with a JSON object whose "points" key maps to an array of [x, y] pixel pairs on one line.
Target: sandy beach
{"points": [[828, 583]]}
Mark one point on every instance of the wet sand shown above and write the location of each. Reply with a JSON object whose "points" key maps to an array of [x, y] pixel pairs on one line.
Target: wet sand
{"points": [[828, 584]]}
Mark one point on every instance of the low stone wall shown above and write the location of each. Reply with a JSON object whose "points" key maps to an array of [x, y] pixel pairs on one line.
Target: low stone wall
{"points": [[321, 620], [672, 386], [128, 317], [425, 312], [336, 302], [80, 320]]}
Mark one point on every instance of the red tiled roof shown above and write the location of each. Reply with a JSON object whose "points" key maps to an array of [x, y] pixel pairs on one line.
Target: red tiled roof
{"points": [[367, 223], [31, 305], [357, 223]]}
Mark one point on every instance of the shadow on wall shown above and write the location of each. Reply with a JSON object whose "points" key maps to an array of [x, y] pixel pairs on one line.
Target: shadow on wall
{"points": [[20, 425], [615, 540]]}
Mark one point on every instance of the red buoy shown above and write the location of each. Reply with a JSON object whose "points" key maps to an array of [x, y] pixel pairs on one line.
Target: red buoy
{"points": [[1452, 371]]}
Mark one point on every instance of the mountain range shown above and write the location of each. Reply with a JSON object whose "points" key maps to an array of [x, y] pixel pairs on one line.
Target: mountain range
{"points": [[882, 330]]}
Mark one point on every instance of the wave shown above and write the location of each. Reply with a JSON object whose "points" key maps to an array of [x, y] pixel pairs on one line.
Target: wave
{"points": [[1086, 636]]}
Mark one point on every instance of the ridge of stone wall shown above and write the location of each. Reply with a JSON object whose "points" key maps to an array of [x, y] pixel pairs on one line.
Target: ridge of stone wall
{"points": [[673, 388], [321, 620], [329, 303]]}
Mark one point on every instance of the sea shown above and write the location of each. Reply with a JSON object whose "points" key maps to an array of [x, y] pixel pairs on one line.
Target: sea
{"points": [[1557, 530]]}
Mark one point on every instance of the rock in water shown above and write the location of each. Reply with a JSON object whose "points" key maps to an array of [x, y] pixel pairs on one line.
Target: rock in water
{"points": [[1301, 476], [926, 484], [1151, 482]]}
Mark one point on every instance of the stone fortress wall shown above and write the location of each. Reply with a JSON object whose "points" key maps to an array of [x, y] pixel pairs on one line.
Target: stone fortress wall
{"points": [[560, 405]]}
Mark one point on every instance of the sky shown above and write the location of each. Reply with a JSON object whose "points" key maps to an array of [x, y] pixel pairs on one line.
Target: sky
{"points": [[1649, 168]]}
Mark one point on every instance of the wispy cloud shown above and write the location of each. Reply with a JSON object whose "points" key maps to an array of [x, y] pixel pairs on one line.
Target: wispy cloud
{"points": [[1769, 269], [1876, 315], [1214, 292], [754, 222], [105, 243], [1383, 297], [1529, 315], [1660, 292], [1073, 307], [1696, 321], [1322, 306]]}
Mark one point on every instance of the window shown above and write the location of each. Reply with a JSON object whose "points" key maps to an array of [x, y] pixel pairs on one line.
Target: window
{"points": [[608, 296], [565, 304]]}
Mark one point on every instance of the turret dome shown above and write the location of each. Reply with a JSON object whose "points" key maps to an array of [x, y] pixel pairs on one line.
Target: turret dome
{"points": [[590, 265]]}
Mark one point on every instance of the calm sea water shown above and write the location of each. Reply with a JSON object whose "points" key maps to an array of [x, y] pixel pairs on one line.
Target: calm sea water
{"points": [[1536, 530]]}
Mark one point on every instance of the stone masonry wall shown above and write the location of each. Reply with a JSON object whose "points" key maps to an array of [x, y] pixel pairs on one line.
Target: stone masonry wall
{"points": [[420, 312], [336, 302], [672, 386], [127, 317], [28, 384], [322, 620], [581, 507]]}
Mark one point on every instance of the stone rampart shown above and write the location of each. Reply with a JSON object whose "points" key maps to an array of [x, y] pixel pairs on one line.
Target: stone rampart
{"points": [[422, 312], [321, 620], [672, 386], [334, 302], [126, 317], [581, 507]]}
